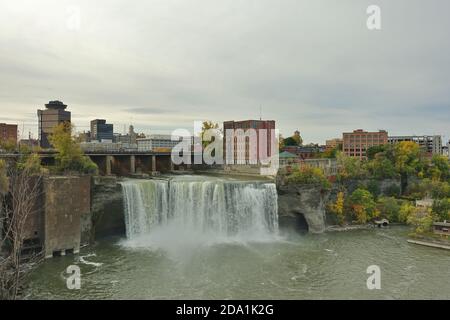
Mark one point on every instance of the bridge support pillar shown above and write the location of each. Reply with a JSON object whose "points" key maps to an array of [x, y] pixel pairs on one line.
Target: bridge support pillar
{"points": [[132, 164], [109, 160], [153, 163]]}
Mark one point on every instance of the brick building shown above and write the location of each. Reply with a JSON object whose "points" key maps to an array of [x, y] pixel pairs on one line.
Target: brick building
{"points": [[356, 143], [268, 125], [333, 144], [8, 132]]}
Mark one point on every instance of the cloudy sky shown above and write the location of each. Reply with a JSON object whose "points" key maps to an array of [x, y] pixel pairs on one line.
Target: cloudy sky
{"points": [[161, 64]]}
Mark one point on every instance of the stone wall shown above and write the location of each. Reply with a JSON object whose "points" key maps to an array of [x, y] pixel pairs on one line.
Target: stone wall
{"points": [[65, 201]]}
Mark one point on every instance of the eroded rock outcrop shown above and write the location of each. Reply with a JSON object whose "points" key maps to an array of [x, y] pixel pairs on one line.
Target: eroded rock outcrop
{"points": [[300, 204]]}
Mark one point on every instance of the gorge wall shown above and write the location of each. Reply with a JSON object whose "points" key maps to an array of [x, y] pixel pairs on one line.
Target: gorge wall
{"points": [[302, 208]]}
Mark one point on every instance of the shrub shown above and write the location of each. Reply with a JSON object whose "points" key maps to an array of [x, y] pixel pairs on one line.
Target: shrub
{"points": [[308, 175], [389, 208], [441, 209]]}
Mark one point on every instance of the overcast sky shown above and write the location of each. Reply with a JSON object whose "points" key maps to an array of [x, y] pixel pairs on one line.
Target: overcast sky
{"points": [[161, 64]]}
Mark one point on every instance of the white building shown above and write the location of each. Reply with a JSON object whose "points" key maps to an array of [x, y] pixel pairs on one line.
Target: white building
{"points": [[108, 147], [155, 142]]}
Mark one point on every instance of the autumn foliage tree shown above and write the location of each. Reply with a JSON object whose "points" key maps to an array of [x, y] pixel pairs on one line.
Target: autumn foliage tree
{"points": [[70, 157]]}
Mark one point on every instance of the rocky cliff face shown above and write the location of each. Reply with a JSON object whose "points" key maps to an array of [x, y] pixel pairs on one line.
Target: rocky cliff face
{"points": [[107, 208], [302, 207]]}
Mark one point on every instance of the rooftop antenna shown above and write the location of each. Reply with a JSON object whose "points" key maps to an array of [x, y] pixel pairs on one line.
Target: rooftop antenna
{"points": [[260, 113]]}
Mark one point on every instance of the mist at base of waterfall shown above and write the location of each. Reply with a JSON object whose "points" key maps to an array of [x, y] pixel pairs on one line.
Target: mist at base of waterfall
{"points": [[178, 241]]}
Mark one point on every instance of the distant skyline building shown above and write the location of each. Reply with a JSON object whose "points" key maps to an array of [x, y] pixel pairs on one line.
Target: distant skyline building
{"points": [[102, 131], [8, 132], [130, 137], [54, 114], [156, 142], [268, 125], [356, 143], [431, 145]]}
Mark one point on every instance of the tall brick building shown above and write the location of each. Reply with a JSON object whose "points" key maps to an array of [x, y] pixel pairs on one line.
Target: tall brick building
{"points": [[8, 132], [356, 143], [268, 125]]}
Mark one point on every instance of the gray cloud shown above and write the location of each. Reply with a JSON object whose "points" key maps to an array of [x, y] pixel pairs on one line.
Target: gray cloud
{"points": [[161, 64]]}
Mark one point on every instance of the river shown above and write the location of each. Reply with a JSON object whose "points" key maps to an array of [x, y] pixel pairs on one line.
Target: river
{"points": [[176, 253]]}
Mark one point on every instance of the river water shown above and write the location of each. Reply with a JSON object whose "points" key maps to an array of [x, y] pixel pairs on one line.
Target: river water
{"points": [[226, 245]]}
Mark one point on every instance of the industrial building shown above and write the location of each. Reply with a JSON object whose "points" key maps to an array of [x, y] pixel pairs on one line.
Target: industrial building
{"points": [[356, 143]]}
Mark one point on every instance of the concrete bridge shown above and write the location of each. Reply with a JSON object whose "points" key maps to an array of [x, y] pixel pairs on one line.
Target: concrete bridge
{"points": [[121, 163]]}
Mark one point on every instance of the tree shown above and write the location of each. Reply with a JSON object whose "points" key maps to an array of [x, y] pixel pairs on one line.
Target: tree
{"points": [[207, 125], [406, 210], [441, 209], [389, 208], [380, 167], [407, 160], [297, 138], [363, 205], [70, 157], [9, 145], [16, 208], [374, 150], [338, 208], [290, 142], [421, 222], [281, 144], [349, 167], [308, 175], [439, 168]]}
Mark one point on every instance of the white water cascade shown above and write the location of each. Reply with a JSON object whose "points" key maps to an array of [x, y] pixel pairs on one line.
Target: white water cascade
{"points": [[200, 206]]}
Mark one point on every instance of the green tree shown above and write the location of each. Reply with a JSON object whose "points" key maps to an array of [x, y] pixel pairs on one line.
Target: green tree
{"points": [[421, 222], [373, 151], [439, 168], [363, 205], [288, 142], [441, 209], [297, 138], [381, 167], [389, 208], [207, 125], [406, 210], [9, 145], [70, 157], [349, 167], [407, 160]]}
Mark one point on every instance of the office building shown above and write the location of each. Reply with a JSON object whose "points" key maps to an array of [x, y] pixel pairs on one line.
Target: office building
{"points": [[54, 114], [101, 131], [356, 143]]}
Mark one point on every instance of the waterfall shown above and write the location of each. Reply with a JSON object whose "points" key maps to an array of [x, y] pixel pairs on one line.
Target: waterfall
{"points": [[201, 206]]}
